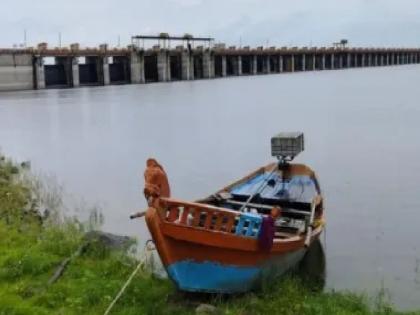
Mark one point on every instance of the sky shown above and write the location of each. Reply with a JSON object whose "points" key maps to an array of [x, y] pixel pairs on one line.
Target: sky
{"points": [[370, 23]]}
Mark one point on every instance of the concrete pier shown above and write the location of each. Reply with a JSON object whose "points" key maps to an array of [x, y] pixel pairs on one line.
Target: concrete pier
{"points": [[105, 71], [163, 66], [254, 67], [187, 66], [137, 67], [75, 72], [39, 74], [74, 66], [208, 65], [239, 63]]}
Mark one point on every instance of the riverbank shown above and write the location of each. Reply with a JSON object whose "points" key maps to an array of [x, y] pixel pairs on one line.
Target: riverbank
{"points": [[33, 247]]}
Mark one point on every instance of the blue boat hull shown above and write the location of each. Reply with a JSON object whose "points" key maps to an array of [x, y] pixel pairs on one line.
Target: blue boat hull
{"points": [[214, 277]]}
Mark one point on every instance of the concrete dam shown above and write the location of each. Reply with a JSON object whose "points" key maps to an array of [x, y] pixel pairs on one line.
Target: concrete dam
{"points": [[42, 67]]}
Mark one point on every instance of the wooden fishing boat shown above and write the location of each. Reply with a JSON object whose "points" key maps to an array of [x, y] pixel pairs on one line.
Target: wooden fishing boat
{"points": [[214, 244]]}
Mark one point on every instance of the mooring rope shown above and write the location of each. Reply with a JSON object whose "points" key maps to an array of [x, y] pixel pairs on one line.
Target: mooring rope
{"points": [[143, 261]]}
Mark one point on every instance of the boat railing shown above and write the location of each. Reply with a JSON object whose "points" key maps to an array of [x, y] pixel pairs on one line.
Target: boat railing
{"points": [[207, 217]]}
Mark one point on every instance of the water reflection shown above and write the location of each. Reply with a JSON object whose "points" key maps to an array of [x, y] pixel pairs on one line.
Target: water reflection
{"points": [[312, 268]]}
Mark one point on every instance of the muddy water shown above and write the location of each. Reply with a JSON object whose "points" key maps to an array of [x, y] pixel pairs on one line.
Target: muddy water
{"points": [[362, 132]]}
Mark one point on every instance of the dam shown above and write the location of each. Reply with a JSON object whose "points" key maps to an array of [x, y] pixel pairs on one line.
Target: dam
{"points": [[43, 67]]}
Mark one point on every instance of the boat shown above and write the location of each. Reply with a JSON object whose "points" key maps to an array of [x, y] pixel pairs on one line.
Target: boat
{"points": [[214, 244]]}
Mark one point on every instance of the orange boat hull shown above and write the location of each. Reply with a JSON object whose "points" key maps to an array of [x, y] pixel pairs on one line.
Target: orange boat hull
{"points": [[198, 259]]}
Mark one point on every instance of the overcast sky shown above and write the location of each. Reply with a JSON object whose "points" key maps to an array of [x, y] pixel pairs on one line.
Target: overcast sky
{"points": [[253, 22]]}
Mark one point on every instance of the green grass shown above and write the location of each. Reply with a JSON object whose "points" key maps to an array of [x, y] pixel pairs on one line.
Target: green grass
{"points": [[30, 254]]}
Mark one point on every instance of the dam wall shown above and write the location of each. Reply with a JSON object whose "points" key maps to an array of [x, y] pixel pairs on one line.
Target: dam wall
{"points": [[73, 66]]}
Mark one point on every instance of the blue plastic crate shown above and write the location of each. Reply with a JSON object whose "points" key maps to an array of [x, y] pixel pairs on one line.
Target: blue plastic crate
{"points": [[249, 225]]}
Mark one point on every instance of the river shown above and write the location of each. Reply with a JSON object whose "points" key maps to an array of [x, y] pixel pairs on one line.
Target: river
{"points": [[362, 129]]}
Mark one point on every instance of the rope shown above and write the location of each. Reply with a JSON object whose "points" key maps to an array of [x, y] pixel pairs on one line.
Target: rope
{"points": [[260, 188], [143, 261], [123, 289]]}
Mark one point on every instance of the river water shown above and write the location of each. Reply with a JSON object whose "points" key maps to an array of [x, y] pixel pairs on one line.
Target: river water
{"points": [[362, 131]]}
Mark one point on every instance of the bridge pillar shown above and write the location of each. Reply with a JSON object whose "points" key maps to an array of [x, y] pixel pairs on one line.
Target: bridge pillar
{"points": [[137, 67], [303, 62], [105, 70], [313, 62], [362, 62], [192, 65], [75, 71], [348, 60], [323, 62], [185, 65], [39, 74], [163, 66], [208, 65], [254, 67], [280, 63], [224, 66], [332, 61], [239, 65]]}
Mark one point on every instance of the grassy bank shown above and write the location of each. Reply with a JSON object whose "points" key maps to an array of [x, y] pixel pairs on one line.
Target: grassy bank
{"points": [[31, 251]]}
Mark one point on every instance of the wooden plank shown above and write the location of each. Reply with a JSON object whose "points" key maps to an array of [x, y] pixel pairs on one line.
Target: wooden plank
{"points": [[219, 221], [209, 217], [184, 216], [197, 214], [229, 224], [266, 207]]}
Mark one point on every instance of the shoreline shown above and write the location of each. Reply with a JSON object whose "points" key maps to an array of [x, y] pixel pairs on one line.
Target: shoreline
{"points": [[33, 250]]}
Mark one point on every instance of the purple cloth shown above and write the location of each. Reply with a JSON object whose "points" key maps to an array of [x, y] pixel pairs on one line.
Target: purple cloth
{"points": [[266, 236]]}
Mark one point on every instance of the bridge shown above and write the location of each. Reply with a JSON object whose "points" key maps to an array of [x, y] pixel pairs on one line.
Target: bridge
{"points": [[43, 67]]}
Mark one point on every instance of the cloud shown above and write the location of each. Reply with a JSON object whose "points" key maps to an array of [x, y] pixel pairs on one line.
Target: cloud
{"points": [[252, 22]]}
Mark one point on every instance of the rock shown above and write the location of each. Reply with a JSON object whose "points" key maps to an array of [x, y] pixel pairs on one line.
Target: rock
{"points": [[204, 309], [111, 241]]}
